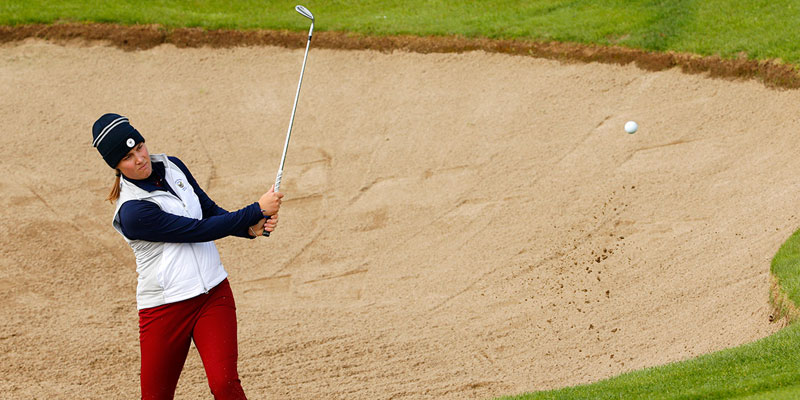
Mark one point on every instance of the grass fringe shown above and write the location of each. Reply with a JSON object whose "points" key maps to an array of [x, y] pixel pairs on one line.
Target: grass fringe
{"points": [[772, 73], [784, 310]]}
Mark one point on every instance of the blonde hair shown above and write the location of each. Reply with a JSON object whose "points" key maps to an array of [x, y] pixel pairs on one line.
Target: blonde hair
{"points": [[114, 195]]}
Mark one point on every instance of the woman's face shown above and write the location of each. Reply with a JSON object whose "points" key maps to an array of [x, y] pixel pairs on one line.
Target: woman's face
{"points": [[136, 164]]}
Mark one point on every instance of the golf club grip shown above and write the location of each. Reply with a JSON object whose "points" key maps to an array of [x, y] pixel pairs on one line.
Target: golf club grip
{"points": [[277, 186], [278, 179]]}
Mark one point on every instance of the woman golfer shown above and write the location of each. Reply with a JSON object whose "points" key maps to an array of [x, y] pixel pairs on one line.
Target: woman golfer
{"points": [[183, 293]]}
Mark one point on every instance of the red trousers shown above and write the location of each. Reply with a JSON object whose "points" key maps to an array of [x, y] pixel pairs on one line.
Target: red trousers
{"points": [[165, 333]]}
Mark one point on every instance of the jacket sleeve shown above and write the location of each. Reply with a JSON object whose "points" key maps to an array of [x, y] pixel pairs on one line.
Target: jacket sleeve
{"points": [[144, 220], [209, 207]]}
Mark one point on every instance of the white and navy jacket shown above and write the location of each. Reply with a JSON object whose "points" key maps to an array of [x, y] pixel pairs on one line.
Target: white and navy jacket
{"points": [[170, 224]]}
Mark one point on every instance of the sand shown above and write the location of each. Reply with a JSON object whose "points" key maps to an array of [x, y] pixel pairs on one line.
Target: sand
{"points": [[455, 226]]}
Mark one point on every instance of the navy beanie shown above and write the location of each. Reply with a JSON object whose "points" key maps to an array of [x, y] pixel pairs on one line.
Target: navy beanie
{"points": [[114, 137]]}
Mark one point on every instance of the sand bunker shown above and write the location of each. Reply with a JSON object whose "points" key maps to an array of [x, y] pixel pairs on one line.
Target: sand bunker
{"points": [[456, 225]]}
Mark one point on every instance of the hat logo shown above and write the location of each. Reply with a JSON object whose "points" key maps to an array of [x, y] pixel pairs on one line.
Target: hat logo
{"points": [[130, 142]]}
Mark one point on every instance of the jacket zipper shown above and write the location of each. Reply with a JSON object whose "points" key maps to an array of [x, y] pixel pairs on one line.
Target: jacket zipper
{"points": [[197, 267], [191, 245]]}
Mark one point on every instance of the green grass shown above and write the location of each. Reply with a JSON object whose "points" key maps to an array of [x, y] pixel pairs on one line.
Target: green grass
{"points": [[760, 370], [786, 268], [758, 29]]}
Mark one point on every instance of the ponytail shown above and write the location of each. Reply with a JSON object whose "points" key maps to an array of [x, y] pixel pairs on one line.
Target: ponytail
{"points": [[114, 195]]}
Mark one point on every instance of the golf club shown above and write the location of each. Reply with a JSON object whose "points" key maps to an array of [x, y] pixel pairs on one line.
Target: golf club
{"points": [[304, 12]]}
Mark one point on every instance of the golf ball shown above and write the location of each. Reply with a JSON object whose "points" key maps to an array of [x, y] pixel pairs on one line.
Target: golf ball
{"points": [[631, 127]]}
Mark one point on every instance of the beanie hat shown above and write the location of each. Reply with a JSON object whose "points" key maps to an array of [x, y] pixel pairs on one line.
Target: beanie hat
{"points": [[114, 137]]}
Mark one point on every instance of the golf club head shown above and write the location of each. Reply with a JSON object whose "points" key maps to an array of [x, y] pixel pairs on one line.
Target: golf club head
{"points": [[304, 12]]}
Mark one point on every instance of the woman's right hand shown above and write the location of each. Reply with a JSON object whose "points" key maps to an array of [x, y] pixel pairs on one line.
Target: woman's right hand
{"points": [[270, 202], [271, 223]]}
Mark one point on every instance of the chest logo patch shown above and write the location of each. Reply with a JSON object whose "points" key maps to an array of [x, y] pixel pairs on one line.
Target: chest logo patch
{"points": [[179, 183]]}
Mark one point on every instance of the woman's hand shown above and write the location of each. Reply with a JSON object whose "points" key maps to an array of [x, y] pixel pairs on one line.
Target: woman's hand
{"points": [[271, 223], [270, 202], [257, 229]]}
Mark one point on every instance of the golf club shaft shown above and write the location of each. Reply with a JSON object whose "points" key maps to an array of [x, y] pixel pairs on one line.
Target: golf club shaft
{"points": [[291, 120]]}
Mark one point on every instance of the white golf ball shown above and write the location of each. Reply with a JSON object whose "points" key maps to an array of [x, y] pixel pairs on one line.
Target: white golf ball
{"points": [[631, 127]]}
